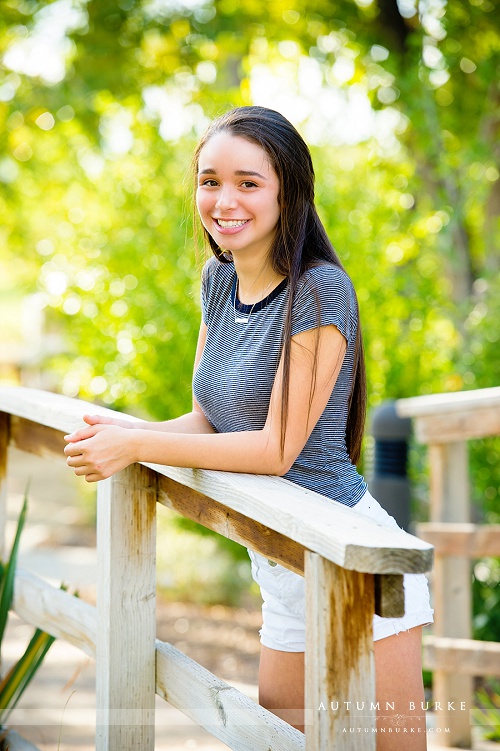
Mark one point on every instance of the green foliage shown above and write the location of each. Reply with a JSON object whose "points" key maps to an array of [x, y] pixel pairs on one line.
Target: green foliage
{"points": [[402, 111], [487, 714], [13, 684]]}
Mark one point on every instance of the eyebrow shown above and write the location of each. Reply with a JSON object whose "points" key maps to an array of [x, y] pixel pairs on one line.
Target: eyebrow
{"points": [[240, 173]]}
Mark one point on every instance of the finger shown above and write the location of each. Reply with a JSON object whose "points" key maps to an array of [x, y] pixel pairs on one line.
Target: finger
{"points": [[75, 461], [81, 471], [73, 449], [93, 478], [98, 419], [81, 434]]}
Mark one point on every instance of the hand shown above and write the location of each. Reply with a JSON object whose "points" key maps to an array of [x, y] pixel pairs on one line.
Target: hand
{"points": [[100, 450], [105, 420]]}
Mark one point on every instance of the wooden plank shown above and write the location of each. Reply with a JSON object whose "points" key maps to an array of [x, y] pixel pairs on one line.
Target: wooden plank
{"points": [[179, 679], [37, 439], [4, 442], [458, 426], [449, 485], [456, 401], [339, 657], [126, 591], [465, 656], [218, 707], [462, 539], [64, 616], [316, 523], [233, 525], [389, 596]]}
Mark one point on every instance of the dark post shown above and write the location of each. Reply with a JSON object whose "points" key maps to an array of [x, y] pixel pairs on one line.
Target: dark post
{"points": [[390, 484]]}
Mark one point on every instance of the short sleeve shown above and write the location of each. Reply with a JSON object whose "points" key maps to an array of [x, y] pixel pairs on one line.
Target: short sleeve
{"points": [[324, 296], [207, 276]]}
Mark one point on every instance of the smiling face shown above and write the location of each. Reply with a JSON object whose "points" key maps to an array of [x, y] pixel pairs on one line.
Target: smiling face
{"points": [[237, 195]]}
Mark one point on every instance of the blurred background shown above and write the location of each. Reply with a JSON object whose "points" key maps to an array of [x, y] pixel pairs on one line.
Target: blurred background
{"points": [[101, 105]]}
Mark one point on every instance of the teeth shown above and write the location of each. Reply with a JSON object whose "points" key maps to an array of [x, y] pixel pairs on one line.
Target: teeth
{"points": [[231, 222]]}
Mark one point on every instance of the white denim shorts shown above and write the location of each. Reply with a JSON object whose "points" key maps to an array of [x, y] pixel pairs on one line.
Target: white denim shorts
{"points": [[284, 604]]}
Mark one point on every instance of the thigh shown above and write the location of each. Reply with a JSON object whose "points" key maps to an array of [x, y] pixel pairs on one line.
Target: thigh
{"points": [[400, 691], [281, 685]]}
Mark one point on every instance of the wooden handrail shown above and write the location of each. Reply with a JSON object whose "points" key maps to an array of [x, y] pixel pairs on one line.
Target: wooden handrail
{"points": [[338, 551], [319, 524], [445, 422]]}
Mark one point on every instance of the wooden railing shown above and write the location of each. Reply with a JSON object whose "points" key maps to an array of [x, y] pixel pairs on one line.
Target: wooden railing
{"points": [[445, 422], [348, 561]]}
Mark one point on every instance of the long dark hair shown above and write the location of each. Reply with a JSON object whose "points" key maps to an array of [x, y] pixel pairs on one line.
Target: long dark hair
{"points": [[300, 241]]}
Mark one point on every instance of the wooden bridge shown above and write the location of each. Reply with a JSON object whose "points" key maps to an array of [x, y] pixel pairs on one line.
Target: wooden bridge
{"points": [[349, 562]]}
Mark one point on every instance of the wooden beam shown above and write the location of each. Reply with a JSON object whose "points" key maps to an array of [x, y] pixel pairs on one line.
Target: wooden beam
{"points": [[126, 592], [311, 520], [389, 596], [456, 401], [449, 486], [63, 615], [462, 539], [37, 439], [458, 426], [389, 591], [339, 657], [465, 656], [218, 707], [233, 525]]}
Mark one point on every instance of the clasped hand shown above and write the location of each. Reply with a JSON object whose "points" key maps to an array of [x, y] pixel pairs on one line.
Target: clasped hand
{"points": [[101, 449]]}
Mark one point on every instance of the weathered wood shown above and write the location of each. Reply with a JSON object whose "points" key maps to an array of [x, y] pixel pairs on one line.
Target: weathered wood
{"points": [[183, 682], [456, 401], [329, 528], [55, 611], [389, 596], [218, 707], [233, 525], [4, 443], [126, 590], [339, 657], [458, 426], [459, 416], [465, 656], [449, 485], [37, 439], [462, 539], [389, 599]]}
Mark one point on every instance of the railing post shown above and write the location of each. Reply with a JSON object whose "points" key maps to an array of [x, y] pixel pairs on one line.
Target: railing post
{"points": [[126, 589], [340, 673], [449, 486]]}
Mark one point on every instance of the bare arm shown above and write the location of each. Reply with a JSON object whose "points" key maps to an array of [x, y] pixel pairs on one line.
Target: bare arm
{"points": [[257, 451]]}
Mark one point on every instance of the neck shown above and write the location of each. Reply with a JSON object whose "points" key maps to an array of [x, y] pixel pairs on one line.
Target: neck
{"points": [[256, 279]]}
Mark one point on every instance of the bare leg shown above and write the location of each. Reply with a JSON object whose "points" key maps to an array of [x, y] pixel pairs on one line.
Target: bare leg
{"points": [[398, 667], [398, 670], [281, 685]]}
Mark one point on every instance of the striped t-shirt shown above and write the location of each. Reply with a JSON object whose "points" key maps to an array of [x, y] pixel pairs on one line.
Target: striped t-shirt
{"points": [[234, 379]]}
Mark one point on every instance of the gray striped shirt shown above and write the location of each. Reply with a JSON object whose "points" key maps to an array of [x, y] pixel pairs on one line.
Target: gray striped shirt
{"points": [[235, 376]]}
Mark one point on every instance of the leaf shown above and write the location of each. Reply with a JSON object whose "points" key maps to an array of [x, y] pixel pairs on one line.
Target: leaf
{"points": [[9, 572], [20, 675]]}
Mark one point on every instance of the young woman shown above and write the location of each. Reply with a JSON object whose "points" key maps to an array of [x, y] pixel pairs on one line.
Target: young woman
{"points": [[280, 318]]}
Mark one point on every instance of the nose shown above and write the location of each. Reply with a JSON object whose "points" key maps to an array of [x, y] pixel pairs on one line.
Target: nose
{"points": [[226, 199]]}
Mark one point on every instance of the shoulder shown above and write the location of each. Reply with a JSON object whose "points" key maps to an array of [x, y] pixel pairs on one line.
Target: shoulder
{"points": [[214, 269], [325, 278]]}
